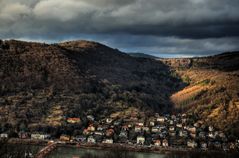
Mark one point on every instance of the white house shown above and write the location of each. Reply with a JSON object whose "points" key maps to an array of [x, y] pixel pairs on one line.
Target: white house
{"points": [[137, 129], [171, 128], [151, 123], [3, 135], [100, 133], [154, 129], [171, 122], [179, 125], [100, 128], [108, 141], [40, 136], [165, 143], [91, 139], [140, 140], [141, 124], [161, 119], [210, 128], [211, 135]]}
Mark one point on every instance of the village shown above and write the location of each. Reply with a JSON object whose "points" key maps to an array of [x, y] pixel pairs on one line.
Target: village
{"points": [[158, 131]]}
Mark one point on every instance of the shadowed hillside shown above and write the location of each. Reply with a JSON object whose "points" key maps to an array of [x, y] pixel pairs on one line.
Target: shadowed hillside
{"points": [[44, 84]]}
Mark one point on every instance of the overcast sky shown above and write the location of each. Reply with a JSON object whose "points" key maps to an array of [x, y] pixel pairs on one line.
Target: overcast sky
{"points": [[158, 27]]}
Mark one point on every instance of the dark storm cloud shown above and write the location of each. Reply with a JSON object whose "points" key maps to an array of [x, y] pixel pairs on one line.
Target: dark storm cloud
{"points": [[174, 21]]}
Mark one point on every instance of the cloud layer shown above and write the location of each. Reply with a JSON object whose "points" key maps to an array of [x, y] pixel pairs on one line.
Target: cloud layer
{"points": [[158, 26]]}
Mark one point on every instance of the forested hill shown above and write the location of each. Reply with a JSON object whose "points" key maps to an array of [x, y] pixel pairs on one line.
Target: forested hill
{"points": [[212, 93], [45, 83]]}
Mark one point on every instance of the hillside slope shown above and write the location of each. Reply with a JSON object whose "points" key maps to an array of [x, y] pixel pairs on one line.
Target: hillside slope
{"points": [[212, 93], [43, 84]]}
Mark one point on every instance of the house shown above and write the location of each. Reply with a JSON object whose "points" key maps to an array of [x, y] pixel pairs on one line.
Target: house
{"points": [[232, 146], [140, 140], [184, 120], [154, 130], [141, 124], [171, 122], [99, 133], [237, 143], [197, 125], [100, 128], [184, 115], [73, 120], [191, 144], [146, 129], [86, 132], [161, 119], [3, 135], [165, 143], [211, 135], [173, 117], [65, 137], [179, 125], [151, 123], [193, 135], [171, 128], [172, 133], [157, 142], [210, 129], [40, 136], [191, 129], [108, 141], [222, 135], [183, 133], [137, 128], [130, 125], [91, 139], [91, 128]]}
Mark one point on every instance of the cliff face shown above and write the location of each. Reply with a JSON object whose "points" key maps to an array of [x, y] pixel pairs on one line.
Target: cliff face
{"points": [[213, 90], [43, 84]]}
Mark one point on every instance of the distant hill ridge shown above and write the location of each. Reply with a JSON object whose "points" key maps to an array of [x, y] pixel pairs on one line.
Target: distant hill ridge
{"points": [[142, 55]]}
